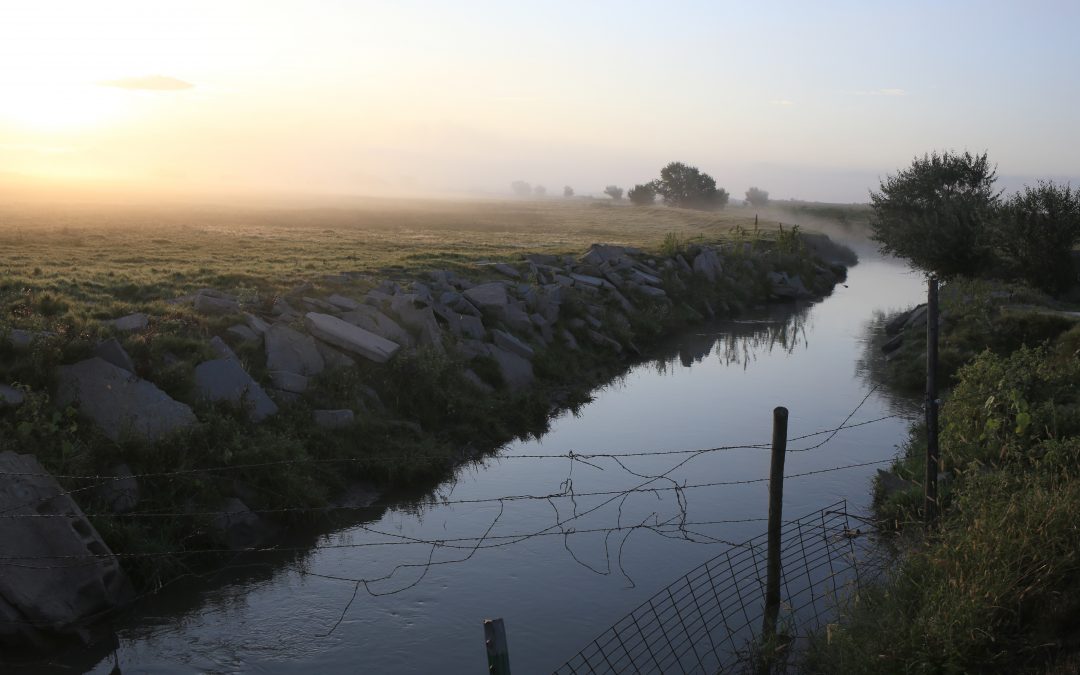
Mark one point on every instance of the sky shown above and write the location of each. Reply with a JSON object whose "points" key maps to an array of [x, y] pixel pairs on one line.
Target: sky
{"points": [[806, 100]]}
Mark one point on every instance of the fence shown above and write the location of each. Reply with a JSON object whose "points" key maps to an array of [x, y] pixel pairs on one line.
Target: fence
{"points": [[708, 621]]}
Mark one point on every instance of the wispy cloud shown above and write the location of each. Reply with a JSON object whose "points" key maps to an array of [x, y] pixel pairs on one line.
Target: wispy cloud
{"points": [[782, 101], [148, 83], [889, 92]]}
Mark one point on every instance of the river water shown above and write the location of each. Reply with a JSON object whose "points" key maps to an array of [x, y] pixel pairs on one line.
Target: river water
{"points": [[715, 386]]}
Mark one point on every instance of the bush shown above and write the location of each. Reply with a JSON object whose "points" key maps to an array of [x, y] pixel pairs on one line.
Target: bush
{"points": [[567, 191], [521, 189], [687, 187], [1035, 232], [937, 213], [614, 191], [642, 195]]}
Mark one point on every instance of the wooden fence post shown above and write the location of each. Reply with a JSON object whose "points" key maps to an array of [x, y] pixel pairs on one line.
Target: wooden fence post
{"points": [[776, 506], [498, 655], [930, 497]]}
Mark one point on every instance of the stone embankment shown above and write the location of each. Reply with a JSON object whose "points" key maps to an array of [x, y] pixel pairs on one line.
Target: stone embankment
{"points": [[495, 323]]}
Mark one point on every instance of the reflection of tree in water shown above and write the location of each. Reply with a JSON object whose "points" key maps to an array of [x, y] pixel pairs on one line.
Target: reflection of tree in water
{"points": [[872, 367], [739, 341]]}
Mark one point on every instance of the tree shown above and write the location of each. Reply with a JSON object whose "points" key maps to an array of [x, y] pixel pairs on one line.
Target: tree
{"points": [[540, 191], [757, 197], [937, 213], [614, 191], [568, 192], [687, 187], [1035, 232], [642, 195]]}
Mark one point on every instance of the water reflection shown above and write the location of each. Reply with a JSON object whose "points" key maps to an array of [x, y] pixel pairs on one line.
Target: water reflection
{"points": [[740, 341]]}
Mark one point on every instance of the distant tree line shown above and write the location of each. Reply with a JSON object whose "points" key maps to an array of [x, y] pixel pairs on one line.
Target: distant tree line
{"points": [[945, 216]]}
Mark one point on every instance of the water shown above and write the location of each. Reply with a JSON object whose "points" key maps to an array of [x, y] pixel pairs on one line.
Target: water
{"points": [[713, 387]]}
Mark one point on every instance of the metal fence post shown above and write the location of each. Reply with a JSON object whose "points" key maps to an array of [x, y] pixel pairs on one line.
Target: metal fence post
{"points": [[930, 500], [498, 655]]}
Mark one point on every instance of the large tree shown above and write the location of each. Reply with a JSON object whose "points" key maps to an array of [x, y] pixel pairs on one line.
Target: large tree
{"points": [[938, 213], [688, 187]]}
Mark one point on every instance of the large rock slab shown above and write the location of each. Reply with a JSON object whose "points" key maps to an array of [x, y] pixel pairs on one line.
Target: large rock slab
{"points": [[344, 335], [512, 344], [226, 380], [371, 319], [292, 351], [119, 402], [54, 598]]}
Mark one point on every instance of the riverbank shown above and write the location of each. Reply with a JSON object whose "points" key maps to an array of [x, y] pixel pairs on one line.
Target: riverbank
{"points": [[993, 588], [481, 353]]}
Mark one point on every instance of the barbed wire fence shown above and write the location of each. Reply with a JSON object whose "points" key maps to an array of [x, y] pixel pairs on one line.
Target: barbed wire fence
{"points": [[677, 525]]}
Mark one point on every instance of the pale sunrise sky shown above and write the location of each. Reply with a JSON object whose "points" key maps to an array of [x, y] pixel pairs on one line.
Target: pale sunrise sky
{"points": [[807, 100]]}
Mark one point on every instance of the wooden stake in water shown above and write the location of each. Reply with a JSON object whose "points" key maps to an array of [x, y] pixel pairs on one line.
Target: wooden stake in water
{"points": [[498, 655], [930, 498]]}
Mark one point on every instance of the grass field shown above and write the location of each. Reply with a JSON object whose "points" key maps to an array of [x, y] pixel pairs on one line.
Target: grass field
{"points": [[99, 255]]}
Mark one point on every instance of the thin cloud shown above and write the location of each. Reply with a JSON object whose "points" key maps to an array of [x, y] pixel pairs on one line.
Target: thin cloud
{"points": [[148, 83], [889, 92], [782, 101]]}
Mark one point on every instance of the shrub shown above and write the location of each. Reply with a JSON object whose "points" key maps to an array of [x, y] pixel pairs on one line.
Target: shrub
{"points": [[642, 194], [521, 189], [614, 191], [1035, 232]]}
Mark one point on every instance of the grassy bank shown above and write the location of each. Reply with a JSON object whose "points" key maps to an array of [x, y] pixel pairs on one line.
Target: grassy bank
{"points": [[996, 587], [69, 271]]}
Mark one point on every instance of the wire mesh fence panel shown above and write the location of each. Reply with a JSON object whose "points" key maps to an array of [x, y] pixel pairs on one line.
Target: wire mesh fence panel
{"points": [[707, 621]]}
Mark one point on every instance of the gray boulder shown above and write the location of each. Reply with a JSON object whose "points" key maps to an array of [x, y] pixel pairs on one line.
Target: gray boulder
{"points": [[222, 350], [226, 380], [244, 332], [354, 339], [38, 598], [111, 351], [419, 318], [257, 325], [21, 339], [290, 350], [488, 296], [707, 263], [131, 322], [292, 383], [503, 268], [10, 397], [120, 403]]}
